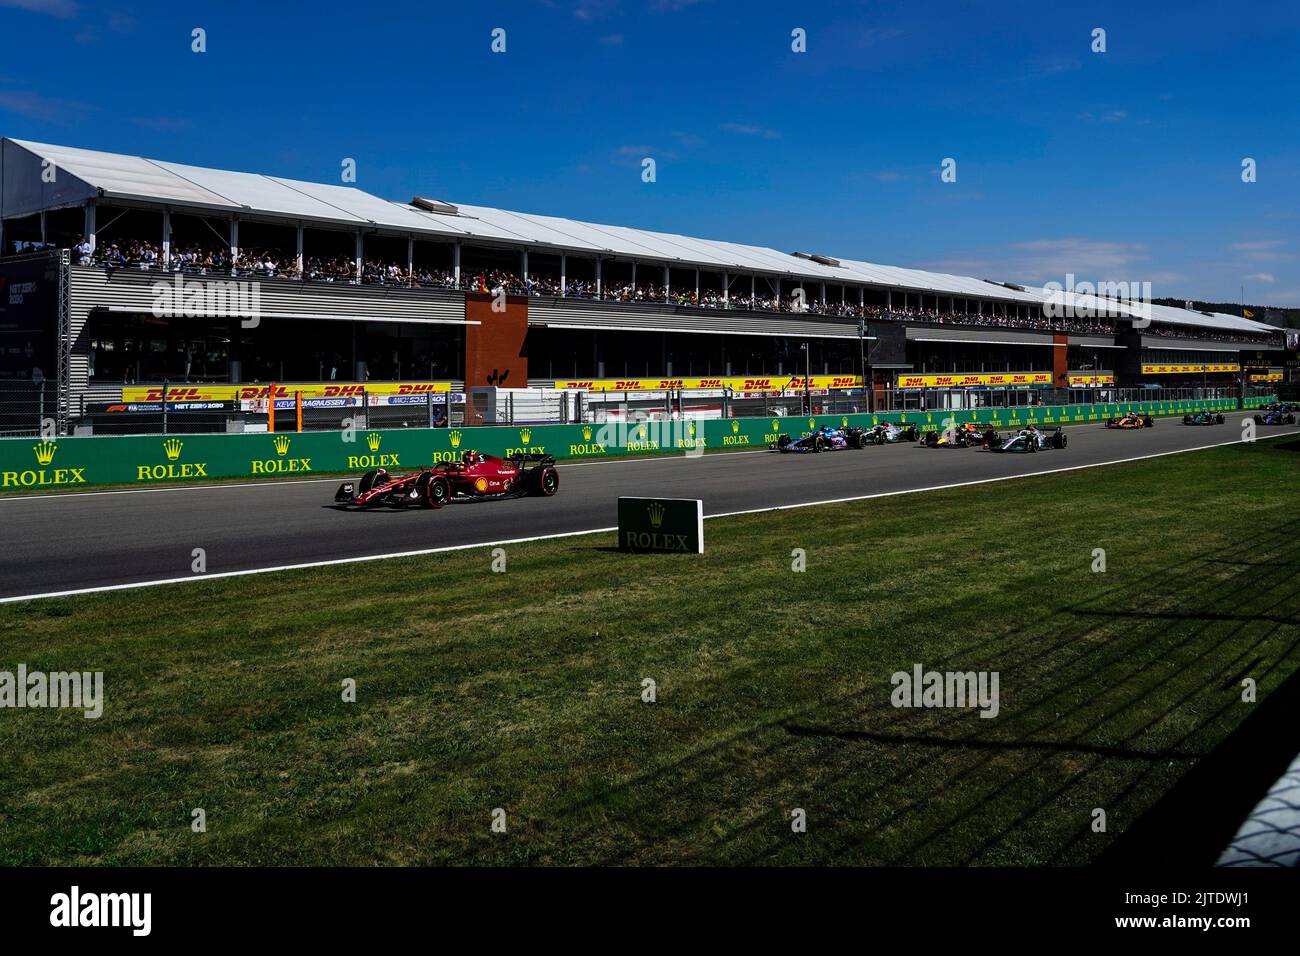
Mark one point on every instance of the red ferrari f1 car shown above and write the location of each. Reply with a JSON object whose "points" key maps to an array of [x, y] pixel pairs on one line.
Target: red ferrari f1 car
{"points": [[474, 476]]}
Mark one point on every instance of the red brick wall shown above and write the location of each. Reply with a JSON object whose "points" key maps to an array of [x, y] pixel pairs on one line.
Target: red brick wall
{"points": [[494, 350], [1061, 360]]}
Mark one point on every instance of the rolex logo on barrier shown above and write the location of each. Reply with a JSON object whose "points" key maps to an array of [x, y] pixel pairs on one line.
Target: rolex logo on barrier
{"points": [[525, 435], [587, 446], [656, 512], [692, 429], [373, 441], [455, 439], [812, 424], [172, 449], [735, 426], [280, 465], [640, 441], [40, 477]]}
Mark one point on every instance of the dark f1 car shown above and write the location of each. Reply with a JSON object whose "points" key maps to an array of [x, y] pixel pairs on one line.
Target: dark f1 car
{"points": [[1275, 418], [964, 436], [887, 433], [1031, 439], [825, 438], [1203, 418], [474, 476], [1131, 420]]}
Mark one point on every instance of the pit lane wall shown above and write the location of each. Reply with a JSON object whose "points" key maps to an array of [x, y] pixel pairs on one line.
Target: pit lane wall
{"points": [[59, 463]]}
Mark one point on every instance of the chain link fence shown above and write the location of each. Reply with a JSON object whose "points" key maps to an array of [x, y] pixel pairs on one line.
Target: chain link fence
{"points": [[28, 408]]}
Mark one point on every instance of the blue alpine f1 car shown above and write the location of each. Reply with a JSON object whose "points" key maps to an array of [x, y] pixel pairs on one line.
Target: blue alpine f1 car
{"points": [[826, 438], [1275, 418]]}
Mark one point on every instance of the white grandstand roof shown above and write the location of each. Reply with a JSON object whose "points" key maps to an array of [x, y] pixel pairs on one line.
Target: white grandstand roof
{"points": [[119, 177]]}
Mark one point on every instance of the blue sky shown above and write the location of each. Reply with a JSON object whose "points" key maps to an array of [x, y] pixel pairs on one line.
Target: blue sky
{"points": [[1123, 165]]}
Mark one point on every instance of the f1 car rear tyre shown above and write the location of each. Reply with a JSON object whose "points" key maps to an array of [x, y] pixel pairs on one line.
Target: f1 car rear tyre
{"points": [[546, 482], [434, 490]]}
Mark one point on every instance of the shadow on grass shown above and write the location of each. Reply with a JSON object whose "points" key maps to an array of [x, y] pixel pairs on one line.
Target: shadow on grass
{"points": [[861, 736], [1105, 703], [1193, 823]]}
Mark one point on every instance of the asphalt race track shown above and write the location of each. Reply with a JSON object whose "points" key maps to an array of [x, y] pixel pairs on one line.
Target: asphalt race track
{"points": [[89, 540]]}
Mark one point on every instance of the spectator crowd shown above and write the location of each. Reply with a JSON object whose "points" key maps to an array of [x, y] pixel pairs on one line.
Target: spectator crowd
{"points": [[273, 263]]}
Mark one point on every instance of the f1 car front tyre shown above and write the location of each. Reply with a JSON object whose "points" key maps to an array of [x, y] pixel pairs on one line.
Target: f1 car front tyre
{"points": [[1059, 440], [434, 491]]}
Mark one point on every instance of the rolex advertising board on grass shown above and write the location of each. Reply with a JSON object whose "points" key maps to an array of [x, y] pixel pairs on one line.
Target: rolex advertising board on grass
{"points": [[673, 525]]}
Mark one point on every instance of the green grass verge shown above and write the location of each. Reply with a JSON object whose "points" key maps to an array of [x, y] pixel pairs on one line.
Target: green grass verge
{"points": [[522, 690]]}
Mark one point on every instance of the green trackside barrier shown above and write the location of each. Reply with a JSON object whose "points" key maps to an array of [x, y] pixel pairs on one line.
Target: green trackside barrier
{"points": [[33, 463]]}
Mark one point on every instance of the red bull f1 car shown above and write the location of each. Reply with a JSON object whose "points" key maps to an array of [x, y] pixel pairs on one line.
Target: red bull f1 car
{"points": [[1030, 439], [1203, 418], [1131, 420], [474, 476], [968, 435], [822, 439]]}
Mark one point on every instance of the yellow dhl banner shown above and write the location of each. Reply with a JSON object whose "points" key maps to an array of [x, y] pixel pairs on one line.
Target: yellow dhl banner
{"points": [[231, 393], [968, 380], [772, 383], [1079, 380], [1266, 377], [1184, 369]]}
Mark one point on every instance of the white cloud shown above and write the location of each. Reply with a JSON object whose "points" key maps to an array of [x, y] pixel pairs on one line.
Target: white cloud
{"points": [[65, 9], [745, 129], [43, 108]]}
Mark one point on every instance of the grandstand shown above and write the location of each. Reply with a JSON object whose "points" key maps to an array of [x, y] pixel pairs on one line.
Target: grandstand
{"points": [[350, 287]]}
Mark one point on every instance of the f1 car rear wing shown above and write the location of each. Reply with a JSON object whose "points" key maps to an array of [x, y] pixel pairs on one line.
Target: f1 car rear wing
{"points": [[527, 460]]}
